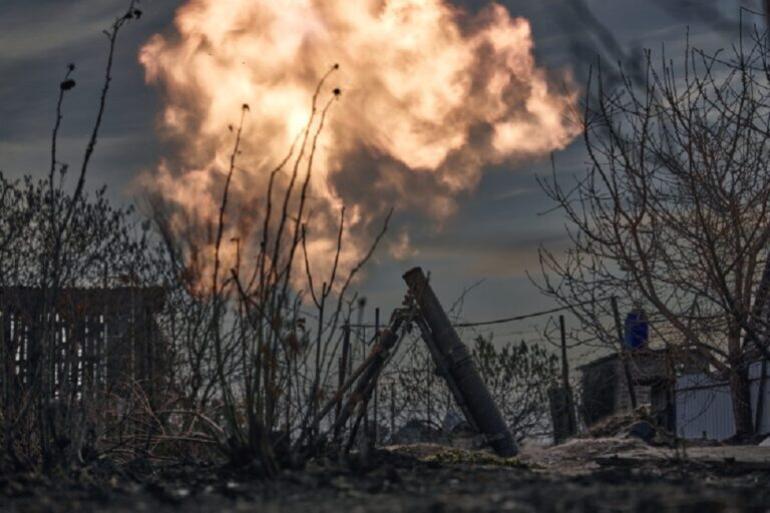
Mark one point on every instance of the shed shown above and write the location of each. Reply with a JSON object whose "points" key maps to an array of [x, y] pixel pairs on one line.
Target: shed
{"points": [[605, 390]]}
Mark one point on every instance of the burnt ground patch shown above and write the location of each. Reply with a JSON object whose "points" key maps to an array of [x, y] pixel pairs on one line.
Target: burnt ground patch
{"points": [[394, 482]]}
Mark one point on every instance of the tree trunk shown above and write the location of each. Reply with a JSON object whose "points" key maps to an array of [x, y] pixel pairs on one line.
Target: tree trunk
{"points": [[741, 398]]}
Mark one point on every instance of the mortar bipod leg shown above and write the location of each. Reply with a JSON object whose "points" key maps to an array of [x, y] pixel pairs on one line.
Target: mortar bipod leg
{"points": [[363, 404], [377, 358], [363, 374]]}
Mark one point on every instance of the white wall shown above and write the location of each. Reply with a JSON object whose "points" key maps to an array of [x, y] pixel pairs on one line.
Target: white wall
{"points": [[704, 405]]}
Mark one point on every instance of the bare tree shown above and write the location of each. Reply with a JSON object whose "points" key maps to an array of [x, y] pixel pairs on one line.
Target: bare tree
{"points": [[673, 209]]}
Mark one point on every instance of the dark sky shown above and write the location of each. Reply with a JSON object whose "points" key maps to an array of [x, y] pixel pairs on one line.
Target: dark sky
{"points": [[496, 232]]}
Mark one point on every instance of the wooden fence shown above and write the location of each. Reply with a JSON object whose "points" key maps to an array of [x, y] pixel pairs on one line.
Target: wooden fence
{"points": [[103, 341]]}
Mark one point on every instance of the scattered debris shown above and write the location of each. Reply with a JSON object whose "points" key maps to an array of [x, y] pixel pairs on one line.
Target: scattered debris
{"points": [[637, 423]]}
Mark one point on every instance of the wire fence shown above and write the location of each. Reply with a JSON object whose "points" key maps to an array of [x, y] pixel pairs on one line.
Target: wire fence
{"points": [[570, 354], [410, 393]]}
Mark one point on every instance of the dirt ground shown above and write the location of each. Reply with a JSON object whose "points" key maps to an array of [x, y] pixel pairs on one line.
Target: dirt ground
{"points": [[589, 475]]}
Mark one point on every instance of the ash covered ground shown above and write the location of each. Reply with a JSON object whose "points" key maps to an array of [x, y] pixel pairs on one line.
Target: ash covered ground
{"points": [[583, 475]]}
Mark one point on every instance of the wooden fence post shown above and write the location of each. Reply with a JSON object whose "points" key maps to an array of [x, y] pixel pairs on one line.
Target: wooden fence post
{"points": [[376, 384], [623, 352], [342, 370], [571, 421], [392, 409]]}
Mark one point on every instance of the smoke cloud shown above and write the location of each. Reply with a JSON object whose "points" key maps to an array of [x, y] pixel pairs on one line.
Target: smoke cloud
{"points": [[430, 96]]}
